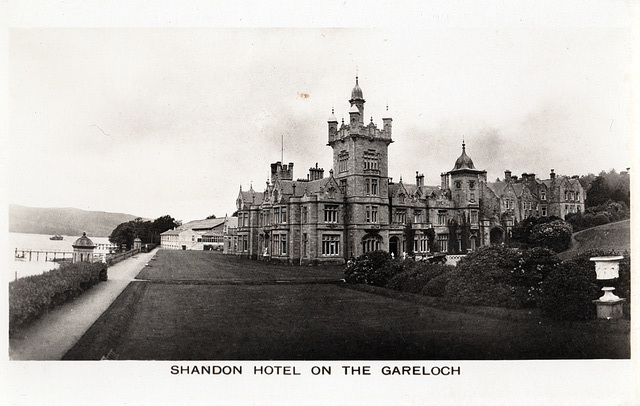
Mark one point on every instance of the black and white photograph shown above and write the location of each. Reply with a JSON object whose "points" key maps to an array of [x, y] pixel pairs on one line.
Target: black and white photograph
{"points": [[337, 202]]}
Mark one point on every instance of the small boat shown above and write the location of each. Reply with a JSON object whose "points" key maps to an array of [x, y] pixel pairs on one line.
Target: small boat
{"points": [[56, 237]]}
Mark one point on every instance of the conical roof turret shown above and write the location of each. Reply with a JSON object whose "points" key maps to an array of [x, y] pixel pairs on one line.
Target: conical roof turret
{"points": [[463, 161], [83, 242], [356, 93]]}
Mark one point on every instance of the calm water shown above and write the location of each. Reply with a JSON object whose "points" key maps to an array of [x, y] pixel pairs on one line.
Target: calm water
{"points": [[41, 242]]}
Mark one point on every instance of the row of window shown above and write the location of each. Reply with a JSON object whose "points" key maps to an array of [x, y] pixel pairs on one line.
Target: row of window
{"points": [[370, 161], [330, 215], [331, 244], [570, 208], [571, 195]]}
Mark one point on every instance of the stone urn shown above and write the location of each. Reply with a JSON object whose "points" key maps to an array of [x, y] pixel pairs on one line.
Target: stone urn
{"points": [[608, 306]]}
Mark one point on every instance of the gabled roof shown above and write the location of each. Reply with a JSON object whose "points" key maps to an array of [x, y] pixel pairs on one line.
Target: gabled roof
{"points": [[202, 224], [518, 188], [199, 225], [172, 232], [250, 196], [396, 188], [313, 187], [232, 222], [497, 187]]}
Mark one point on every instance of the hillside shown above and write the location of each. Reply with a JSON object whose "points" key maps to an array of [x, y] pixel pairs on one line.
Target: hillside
{"points": [[64, 221], [613, 236]]}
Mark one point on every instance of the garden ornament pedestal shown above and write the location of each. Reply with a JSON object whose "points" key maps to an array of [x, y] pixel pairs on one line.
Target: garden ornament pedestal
{"points": [[608, 306]]}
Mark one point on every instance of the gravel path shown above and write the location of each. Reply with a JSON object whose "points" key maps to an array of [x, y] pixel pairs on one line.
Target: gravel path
{"points": [[53, 334]]}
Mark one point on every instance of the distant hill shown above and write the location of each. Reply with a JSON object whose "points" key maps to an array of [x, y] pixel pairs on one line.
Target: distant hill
{"points": [[64, 221]]}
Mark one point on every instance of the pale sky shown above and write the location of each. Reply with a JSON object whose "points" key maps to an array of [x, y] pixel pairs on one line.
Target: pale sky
{"points": [[153, 121]]}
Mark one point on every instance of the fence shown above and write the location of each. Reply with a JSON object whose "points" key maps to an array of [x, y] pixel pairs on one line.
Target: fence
{"points": [[115, 258]]}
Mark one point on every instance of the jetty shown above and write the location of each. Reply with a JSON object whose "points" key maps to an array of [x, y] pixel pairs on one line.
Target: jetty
{"points": [[49, 255]]}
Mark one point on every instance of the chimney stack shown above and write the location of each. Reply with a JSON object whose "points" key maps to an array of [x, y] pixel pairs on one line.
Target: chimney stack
{"points": [[507, 175]]}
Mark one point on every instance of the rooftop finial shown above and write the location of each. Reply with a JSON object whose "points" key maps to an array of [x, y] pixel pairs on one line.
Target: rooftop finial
{"points": [[331, 109], [387, 106], [356, 74]]}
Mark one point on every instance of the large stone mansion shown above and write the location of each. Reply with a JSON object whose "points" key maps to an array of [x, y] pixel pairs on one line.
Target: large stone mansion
{"points": [[358, 208]]}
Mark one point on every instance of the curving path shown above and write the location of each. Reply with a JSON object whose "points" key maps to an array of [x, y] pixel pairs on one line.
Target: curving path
{"points": [[53, 334]]}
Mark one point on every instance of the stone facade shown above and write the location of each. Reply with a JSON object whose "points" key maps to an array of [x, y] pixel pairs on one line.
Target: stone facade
{"points": [[358, 208]]}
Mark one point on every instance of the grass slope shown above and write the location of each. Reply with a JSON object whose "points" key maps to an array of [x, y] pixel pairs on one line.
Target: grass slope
{"points": [[613, 236]]}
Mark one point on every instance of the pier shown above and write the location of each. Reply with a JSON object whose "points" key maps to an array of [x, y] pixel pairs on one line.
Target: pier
{"points": [[49, 255]]}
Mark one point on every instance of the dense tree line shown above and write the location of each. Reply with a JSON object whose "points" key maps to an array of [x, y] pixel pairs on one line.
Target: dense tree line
{"points": [[608, 200], [607, 186], [148, 231]]}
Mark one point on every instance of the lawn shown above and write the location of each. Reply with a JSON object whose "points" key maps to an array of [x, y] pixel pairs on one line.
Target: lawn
{"points": [[212, 266], [197, 316]]}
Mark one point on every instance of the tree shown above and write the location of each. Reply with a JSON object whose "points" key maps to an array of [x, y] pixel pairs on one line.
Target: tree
{"points": [[607, 186], [162, 224], [409, 236], [431, 237], [213, 216], [147, 231], [123, 234]]}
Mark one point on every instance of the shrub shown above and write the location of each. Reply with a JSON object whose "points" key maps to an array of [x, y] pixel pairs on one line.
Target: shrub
{"points": [[32, 296], [373, 268], [607, 212], [567, 293], [436, 286], [497, 276], [555, 235], [523, 230], [415, 279]]}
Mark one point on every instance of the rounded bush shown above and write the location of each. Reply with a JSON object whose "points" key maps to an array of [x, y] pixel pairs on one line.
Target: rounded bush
{"points": [[498, 276], [373, 268], [567, 292], [555, 235]]}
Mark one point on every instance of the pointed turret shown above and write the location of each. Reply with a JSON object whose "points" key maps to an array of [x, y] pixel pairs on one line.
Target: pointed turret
{"points": [[358, 101]]}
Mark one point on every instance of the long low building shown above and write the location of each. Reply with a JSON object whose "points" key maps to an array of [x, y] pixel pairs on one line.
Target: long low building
{"points": [[198, 234]]}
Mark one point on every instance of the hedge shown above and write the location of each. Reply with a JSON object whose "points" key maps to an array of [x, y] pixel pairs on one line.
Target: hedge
{"points": [[32, 296], [415, 279]]}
